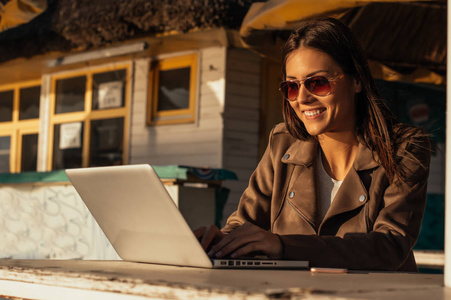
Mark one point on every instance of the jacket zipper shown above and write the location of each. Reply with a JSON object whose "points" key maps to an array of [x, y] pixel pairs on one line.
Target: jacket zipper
{"points": [[301, 215]]}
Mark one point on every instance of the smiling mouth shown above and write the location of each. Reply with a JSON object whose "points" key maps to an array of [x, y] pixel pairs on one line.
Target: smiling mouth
{"points": [[315, 112]]}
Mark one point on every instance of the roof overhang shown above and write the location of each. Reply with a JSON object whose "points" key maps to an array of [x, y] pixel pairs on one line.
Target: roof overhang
{"points": [[16, 12], [267, 25]]}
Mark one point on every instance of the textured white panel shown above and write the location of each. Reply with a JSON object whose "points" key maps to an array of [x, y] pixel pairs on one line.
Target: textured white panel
{"points": [[49, 222]]}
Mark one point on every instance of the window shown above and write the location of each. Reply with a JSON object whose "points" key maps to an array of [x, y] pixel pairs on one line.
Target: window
{"points": [[173, 92], [19, 126], [5, 146], [89, 118]]}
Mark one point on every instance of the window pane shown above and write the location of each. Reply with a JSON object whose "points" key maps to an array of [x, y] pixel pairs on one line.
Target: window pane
{"points": [[108, 89], [173, 90], [29, 103], [66, 155], [70, 95], [6, 106], [29, 152], [107, 138], [5, 142]]}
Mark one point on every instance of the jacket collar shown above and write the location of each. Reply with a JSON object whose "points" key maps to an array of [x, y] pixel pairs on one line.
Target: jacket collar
{"points": [[305, 152], [365, 159], [351, 195], [301, 153]]}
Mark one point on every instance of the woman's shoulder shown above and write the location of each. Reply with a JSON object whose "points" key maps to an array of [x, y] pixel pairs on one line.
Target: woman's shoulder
{"points": [[406, 135], [280, 139], [413, 147], [280, 128], [281, 134]]}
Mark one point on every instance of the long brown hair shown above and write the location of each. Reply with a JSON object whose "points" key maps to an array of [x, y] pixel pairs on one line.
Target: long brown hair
{"points": [[374, 121]]}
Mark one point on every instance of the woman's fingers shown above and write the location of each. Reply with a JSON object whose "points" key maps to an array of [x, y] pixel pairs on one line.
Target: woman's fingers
{"points": [[247, 248], [210, 235], [243, 240], [246, 239], [199, 232], [227, 240], [238, 243]]}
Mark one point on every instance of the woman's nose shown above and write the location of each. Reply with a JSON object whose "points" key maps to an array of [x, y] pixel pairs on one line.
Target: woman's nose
{"points": [[304, 95]]}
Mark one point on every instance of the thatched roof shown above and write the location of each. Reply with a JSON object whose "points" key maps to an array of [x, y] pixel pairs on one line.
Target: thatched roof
{"points": [[403, 36], [82, 24]]}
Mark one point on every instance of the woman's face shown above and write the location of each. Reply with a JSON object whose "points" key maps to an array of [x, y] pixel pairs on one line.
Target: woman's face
{"points": [[333, 113]]}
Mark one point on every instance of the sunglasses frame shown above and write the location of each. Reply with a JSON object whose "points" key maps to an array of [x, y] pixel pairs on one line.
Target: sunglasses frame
{"points": [[301, 82]]}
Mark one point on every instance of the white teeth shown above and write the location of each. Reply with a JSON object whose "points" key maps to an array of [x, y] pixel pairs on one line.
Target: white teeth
{"points": [[311, 113]]}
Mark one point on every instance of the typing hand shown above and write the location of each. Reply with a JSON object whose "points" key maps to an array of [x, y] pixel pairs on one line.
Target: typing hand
{"points": [[208, 236], [246, 239]]}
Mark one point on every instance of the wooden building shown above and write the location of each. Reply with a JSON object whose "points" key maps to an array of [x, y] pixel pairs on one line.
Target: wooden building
{"points": [[92, 83]]}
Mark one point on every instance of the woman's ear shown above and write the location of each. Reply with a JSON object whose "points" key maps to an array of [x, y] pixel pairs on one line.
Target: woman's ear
{"points": [[357, 86]]}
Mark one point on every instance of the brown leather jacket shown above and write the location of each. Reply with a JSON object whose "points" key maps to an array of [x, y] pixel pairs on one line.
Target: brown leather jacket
{"points": [[370, 225]]}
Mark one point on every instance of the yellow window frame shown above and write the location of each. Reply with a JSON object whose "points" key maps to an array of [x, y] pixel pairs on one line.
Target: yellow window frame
{"points": [[176, 116], [89, 114], [16, 128]]}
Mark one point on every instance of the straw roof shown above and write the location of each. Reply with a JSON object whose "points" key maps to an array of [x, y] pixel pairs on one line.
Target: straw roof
{"points": [[83, 24], [403, 36], [93, 23]]}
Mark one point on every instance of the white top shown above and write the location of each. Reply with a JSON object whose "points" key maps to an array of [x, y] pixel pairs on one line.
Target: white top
{"points": [[327, 187]]}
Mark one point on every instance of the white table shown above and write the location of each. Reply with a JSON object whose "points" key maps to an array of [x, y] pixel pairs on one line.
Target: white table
{"points": [[84, 279]]}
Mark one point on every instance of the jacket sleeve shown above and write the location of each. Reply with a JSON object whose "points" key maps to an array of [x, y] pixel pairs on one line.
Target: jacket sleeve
{"points": [[394, 233], [255, 202]]}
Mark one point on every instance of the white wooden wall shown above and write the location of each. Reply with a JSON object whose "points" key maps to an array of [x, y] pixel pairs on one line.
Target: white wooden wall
{"points": [[198, 144], [241, 121]]}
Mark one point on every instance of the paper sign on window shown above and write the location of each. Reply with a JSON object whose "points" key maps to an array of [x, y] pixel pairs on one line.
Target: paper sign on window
{"points": [[110, 94], [70, 136]]}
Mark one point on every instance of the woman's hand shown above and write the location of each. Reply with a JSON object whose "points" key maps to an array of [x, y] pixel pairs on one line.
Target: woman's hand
{"points": [[246, 239], [208, 235]]}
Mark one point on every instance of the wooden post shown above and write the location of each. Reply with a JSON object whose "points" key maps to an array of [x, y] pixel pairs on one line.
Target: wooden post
{"points": [[448, 165]]}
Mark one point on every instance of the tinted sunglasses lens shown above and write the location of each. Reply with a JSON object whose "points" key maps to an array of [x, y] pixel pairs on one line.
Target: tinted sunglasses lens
{"points": [[318, 85], [290, 90]]}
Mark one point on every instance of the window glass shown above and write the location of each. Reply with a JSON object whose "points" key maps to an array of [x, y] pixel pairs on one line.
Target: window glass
{"points": [[107, 142], [29, 152], [5, 142], [6, 106], [67, 146], [173, 89], [29, 103], [108, 89], [70, 95], [91, 134]]}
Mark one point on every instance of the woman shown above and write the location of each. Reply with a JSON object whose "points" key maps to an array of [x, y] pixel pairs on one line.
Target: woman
{"points": [[342, 183]]}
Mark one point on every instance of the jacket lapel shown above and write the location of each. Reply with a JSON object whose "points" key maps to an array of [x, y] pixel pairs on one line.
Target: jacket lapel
{"points": [[352, 193], [301, 192]]}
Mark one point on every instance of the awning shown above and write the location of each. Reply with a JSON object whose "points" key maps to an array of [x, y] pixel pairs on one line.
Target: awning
{"points": [[184, 173], [16, 12], [285, 14], [267, 25]]}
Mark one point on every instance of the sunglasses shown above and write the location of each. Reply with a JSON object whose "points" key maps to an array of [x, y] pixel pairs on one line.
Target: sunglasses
{"points": [[316, 85]]}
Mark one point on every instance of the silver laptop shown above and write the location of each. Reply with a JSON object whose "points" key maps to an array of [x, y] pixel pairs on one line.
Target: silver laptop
{"points": [[142, 222]]}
